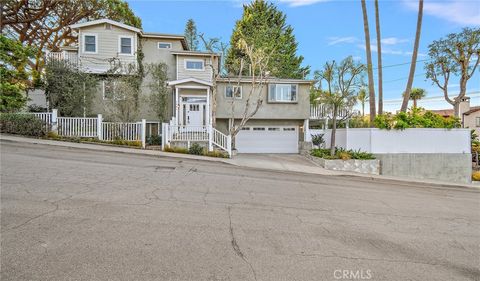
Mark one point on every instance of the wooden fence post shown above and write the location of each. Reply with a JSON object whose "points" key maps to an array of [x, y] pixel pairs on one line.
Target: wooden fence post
{"points": [[144, 133], [99, 127]]}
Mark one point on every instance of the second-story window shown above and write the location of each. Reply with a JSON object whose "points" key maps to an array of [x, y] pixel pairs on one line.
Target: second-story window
{"points": [[164, 45], [194, 64], [282, 93], [126, 45], [90, 43], [231, 91]]}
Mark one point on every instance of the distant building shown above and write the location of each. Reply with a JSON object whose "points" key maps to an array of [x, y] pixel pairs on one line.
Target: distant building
{"points": [[469, 116]]}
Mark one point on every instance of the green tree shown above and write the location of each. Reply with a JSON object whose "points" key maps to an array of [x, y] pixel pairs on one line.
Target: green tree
{"points": [[342, 81], [45, 24], [416, 94], [191, 35], [159, 90], [68, 89], [458, 54], [263, 26], [14, 75], [362, 97]]}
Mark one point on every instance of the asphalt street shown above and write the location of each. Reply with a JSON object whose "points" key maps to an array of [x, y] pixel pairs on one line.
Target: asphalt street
{"points": [[76, 214]]}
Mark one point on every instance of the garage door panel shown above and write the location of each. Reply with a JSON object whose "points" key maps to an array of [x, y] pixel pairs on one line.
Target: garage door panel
{"points": [[268, 139]]}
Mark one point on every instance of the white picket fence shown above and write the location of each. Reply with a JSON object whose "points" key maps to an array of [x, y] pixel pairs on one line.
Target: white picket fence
{"points": [[124, 131], [77, 127], [94, 127]]}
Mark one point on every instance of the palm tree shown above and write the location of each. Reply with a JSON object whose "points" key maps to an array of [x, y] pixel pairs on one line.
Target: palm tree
{"points": [[416, 94], [362, 97], [371, 88], [379, 58], [408, 89]]}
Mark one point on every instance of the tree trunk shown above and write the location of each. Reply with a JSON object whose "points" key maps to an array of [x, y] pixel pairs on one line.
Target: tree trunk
{"points": [[415, 103], [371, 88], [334, 131], [408, 89], [379, 58], [363, 109]]}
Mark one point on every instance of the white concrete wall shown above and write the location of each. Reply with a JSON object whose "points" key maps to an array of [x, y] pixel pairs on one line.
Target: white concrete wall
{"points": [[416, 140]]}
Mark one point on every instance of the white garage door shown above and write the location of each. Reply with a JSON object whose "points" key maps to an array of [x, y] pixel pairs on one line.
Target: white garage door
{"points": [[267, 139]]}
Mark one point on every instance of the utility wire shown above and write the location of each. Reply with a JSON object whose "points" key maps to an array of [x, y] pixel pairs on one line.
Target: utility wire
{"points": [[400, 64]]}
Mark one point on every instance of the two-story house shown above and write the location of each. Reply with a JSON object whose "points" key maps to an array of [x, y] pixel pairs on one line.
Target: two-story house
{"points": [[279, 126]]}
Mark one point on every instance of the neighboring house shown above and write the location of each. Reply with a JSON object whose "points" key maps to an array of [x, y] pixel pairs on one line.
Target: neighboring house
{"points": [[280, 125], [469, 116]]}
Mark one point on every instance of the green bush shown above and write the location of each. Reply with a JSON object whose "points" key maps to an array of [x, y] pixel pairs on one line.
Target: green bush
{"points": [[176, 149], [22, 124], [318, 139], [415, 118], [195, 149], [343, 154]]}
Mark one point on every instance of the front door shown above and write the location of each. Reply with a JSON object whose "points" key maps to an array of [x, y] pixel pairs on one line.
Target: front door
{"points": [[195, 113]]}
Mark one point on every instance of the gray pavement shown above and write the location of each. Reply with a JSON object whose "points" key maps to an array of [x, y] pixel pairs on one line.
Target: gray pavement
{"points": [[77, 214]]}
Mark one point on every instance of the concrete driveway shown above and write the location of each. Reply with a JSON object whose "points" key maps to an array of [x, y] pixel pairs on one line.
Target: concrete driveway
{"points": [[282, 162], [78, 214]]}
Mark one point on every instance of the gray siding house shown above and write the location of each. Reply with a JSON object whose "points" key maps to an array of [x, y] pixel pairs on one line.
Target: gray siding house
{"points": [[277, 127]]}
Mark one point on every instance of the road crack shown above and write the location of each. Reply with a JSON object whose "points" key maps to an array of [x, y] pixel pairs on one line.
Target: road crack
{"points": [[235, 246]]}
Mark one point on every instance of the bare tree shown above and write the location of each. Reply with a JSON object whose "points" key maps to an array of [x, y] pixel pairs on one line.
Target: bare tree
{"points": [[371, 86], [257, 61], [215, 47], [408, 89], [379, 59]]}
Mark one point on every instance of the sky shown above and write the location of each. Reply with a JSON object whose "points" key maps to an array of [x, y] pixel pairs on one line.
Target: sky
{"points": [[332, 30]]}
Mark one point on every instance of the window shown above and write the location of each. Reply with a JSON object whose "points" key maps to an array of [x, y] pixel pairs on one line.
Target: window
{"points": [[90, 43], [109, 89], [125, 45], [477, 121], [289, 129], [163, 45], [230, 90], [274, 129], [282, 93], [194, 107], [245, 128], [194, 64], [259, 129]]}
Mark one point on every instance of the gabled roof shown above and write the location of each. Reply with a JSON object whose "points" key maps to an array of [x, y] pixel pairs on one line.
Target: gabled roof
{"points": [[189, 80], [166, 36], [100, 21], [472, 110], [195, 53]]}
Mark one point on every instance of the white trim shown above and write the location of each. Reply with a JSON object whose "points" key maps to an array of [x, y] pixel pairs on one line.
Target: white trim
{"points": [[96, 43], [112, 22], [187, 80], [185, 60], [233, 92], [167, 43], [120, 37]]}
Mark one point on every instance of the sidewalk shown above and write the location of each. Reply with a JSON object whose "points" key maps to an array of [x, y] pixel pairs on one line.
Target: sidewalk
{"points": [[274, 162]]}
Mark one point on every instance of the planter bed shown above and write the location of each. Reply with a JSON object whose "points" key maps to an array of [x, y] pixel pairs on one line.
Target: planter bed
{"points": [[371, 167]]}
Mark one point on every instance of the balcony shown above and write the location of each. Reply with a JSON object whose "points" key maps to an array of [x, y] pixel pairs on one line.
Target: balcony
{"points": [[70, 58], [320, 111]]}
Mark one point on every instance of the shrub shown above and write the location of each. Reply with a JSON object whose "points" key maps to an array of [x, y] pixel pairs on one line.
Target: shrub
{"points": [[154, 140], [343, 154], [22, 124], [53, 135], [195, 149], [415, 118], [476, 176], [126, 142], [318, 139], [176, 149], [216, 153]]}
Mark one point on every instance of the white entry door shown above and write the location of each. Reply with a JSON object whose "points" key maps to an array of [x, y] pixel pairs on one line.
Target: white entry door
{"points": [[195, 114], [267, 139]]}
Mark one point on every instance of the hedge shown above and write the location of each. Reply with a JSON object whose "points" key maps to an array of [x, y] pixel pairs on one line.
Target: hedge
{"points": [[22, 124]]}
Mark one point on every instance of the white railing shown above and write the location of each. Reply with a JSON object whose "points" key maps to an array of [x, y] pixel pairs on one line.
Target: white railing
{"points": [[69, 57], [179, 133], [77, 127], [46, 117], [221, 140], [320, 111], [188, 133], [124, 131]]}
